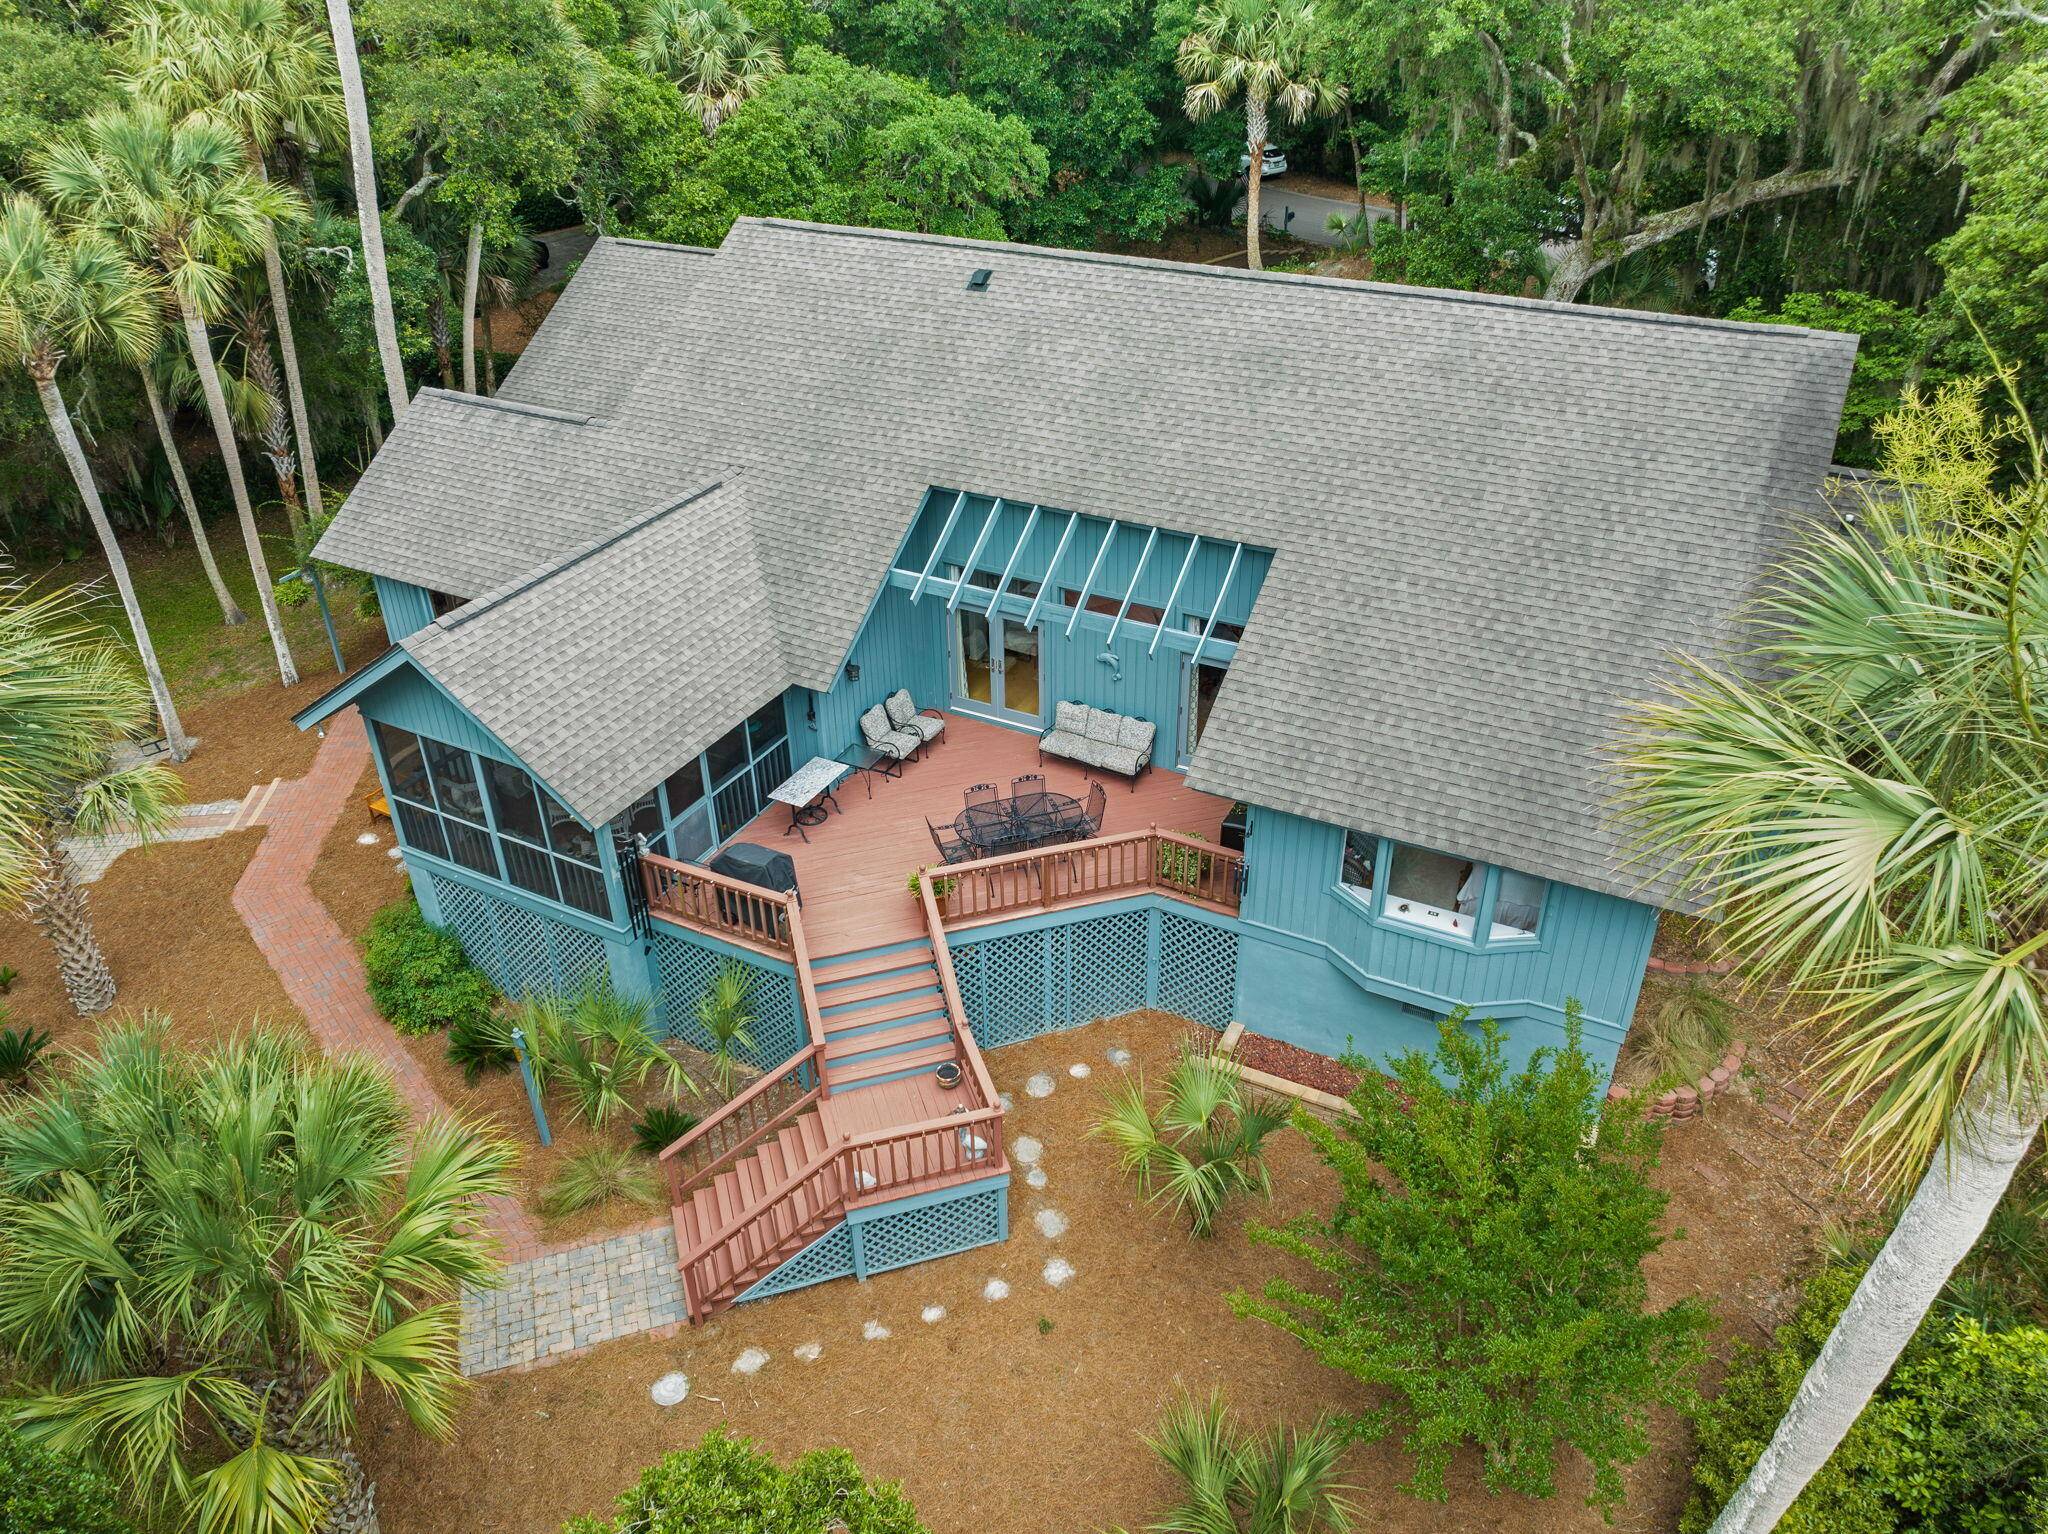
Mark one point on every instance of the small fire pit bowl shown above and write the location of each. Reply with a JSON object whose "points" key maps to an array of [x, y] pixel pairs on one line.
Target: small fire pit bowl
{"points": [[949, 1075]]}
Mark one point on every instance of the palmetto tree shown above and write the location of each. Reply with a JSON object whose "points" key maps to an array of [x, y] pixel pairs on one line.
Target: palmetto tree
{"points": [[206, 1260], [1258, 49], [68, 697], [1234, 1482], [711, 52], [1864, 802], [178, 196], [71, 292], [363, 166], [1201, 1145], [153, 391], [726, 1014], [256, 66]]}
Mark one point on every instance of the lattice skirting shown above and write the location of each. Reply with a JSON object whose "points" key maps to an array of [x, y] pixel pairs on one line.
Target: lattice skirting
{"points": [[686, 969], [888, 1236], [524, 953], [1022, 984]]}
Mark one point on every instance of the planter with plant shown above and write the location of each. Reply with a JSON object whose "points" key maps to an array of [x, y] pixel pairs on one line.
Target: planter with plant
{"points": [[1681, 1051], [942, 885]]}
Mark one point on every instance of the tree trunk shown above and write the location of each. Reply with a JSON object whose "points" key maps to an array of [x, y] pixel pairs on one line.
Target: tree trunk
{"points": [[437, 322], [276, 437], [231, 458], [1255, 142], [230, 610], [57, 904], [295, 387], [1595, 253], [471, 263], [1985, 1144], [490, 350], [375, 419], [59, 416], [343, 26]]}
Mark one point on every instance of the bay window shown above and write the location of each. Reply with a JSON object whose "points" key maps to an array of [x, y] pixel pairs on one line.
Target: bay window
{"points": [[1452, 898]]}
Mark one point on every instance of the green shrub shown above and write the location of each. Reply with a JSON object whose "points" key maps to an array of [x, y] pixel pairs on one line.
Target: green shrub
{"points": [[481, 1043], [1483, 1263], [1955, 1442], [728, 1484], [598, 1176], [46, 1493], [661, 1126], [21, 1050], [419, 976]]}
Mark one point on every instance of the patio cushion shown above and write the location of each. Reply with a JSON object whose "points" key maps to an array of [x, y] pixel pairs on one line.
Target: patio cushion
{"points": [[1070, 718], [1116, 759], [899, 708], [874, 725], [1103, 725], [874, 729], [1135, 734], [1062, 743]]}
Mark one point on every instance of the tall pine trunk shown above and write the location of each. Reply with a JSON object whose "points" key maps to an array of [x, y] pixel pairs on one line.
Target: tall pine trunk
{"points": [[295, 387], [1985, 1143], [59, 416], [364, 169], [230, 610], [231, 458], [472, 261], [1255, 141], [57, 904]]}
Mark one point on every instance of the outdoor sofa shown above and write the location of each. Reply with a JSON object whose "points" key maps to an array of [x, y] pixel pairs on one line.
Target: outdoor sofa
{"points": [[1096, 737]]}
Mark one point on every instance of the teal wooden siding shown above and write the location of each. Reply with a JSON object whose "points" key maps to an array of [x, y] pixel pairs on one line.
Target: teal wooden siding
{"points": [[1298, 922], [407, 608], [899, 646], [407, 699]]}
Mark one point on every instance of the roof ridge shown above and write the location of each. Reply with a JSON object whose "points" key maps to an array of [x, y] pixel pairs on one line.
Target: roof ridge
{"points": [[1296, 279], [671, 246], [540, 574], [510, 406]]}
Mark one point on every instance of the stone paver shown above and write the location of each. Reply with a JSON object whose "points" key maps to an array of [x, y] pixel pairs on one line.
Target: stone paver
{"points": [[565, 1301]]}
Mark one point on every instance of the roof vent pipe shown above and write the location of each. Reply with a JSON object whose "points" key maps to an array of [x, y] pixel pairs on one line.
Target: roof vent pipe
{"points": [[977, 281]]}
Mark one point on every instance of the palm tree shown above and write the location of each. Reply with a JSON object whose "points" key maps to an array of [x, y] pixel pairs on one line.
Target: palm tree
{"points": [[230, 610], [363, 164], [1201, 1146], [711, 52], [178, 196], [256, 66], [68, 698], [209, 1256], [724, 1013], [1862, 797], [1235, 1482], [60, 294], [1259, 48]]}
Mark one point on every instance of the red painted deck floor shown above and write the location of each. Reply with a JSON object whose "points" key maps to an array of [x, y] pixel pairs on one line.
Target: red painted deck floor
{"points": [[855, 868]]}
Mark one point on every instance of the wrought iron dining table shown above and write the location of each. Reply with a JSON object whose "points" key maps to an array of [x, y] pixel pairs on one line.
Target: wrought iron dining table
{"points": [[1015, 823]]}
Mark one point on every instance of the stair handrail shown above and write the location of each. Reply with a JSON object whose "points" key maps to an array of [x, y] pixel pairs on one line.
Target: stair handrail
{"points": [[949, 991], [671, 886], [680, 1185], [951, 1123], [807, 986], [755, 1212]]}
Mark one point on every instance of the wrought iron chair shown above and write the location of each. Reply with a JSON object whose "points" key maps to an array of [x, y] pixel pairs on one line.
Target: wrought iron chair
{"points": [[952, 847], [1095, 810], [980, 793]]}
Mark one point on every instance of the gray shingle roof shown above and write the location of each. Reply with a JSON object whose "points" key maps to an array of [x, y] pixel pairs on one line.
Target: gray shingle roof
{"points": [[1492, 517]]}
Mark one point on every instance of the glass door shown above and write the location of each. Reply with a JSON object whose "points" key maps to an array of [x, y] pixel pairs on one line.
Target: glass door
{"points": [[995, 665]]}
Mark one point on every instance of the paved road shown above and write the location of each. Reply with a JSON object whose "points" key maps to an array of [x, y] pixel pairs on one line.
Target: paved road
{"points": [[1306, 215], [565, 248]]}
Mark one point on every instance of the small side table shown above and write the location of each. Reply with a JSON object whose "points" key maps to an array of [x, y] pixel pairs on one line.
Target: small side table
{"points": [[807, 791], [872, 764]]}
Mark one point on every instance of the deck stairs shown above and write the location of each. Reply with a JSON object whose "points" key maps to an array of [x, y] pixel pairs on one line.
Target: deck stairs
{"points": [[883, 1017]]}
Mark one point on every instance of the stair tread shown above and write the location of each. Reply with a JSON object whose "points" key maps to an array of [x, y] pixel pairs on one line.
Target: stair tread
{"points": [[934, 1028], [824, 972], [888, 1012], [923, 977], [888, 1065]]}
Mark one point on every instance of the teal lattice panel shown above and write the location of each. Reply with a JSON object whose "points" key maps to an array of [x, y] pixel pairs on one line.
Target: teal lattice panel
{"points": [[827, 1258], [1197, 970], [688, 968], [1105, 964], [524, 953], [1016, 1002], [933, 1230]]}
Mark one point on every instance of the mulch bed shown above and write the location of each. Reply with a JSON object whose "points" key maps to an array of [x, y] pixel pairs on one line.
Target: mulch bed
{"points": [[1302, 1066]]}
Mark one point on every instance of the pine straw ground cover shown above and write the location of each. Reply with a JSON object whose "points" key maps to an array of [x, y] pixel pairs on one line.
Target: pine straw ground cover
{"points": [[998, 1422]]}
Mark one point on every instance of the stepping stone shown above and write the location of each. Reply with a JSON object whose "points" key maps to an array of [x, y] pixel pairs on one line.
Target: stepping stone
{"points": [[808, 1351], [671, 1390], [932, 1313], [367, 839], [392, 852], [1118, 1055], [1006, 1100], [1036, 1177], [874, 1331], [1028, 1150], [1080, 1070], [995, 1289], [750, 1362], [1051, 1223], [1058, 1271], [1038, 1086]]}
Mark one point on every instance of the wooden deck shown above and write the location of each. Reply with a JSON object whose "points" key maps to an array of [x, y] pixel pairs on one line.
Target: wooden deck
{"points": [[854, 870]]}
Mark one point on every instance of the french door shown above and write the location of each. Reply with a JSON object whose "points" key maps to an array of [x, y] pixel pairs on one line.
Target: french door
{"points": [[995, 666]]}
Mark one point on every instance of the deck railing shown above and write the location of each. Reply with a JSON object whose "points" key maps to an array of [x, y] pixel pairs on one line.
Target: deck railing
{"points": [[1073, 873], [697, 897]]}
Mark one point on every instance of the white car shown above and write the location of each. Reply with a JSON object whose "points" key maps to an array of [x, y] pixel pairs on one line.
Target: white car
{"points": [[1272, 162]]}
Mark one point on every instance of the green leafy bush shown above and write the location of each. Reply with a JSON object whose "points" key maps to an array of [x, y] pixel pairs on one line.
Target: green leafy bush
{"points": [[1484, 1265], [46, 1493], [1955, 1442], [728, 1484], [419, 976]]}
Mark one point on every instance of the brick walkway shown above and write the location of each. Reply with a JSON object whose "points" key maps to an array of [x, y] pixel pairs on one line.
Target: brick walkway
{"points": [[572, 1299], [319, 967]]}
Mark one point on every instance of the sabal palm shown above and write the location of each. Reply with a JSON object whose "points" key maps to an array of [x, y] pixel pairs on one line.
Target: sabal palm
{"points": [[725, 1013], [1202, 1145], [1234, 1482], [341, 27], [153, 394], [594, 1045], [178, 196], [208, 1258], [1863, 799], [68, 698], [712, 53], [256, 66], [1260, 50], [64, 293]]}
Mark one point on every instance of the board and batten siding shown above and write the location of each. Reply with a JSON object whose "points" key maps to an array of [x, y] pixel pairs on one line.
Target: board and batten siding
{"points": [[407, 608], [1591, 948], [899, 646]]}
